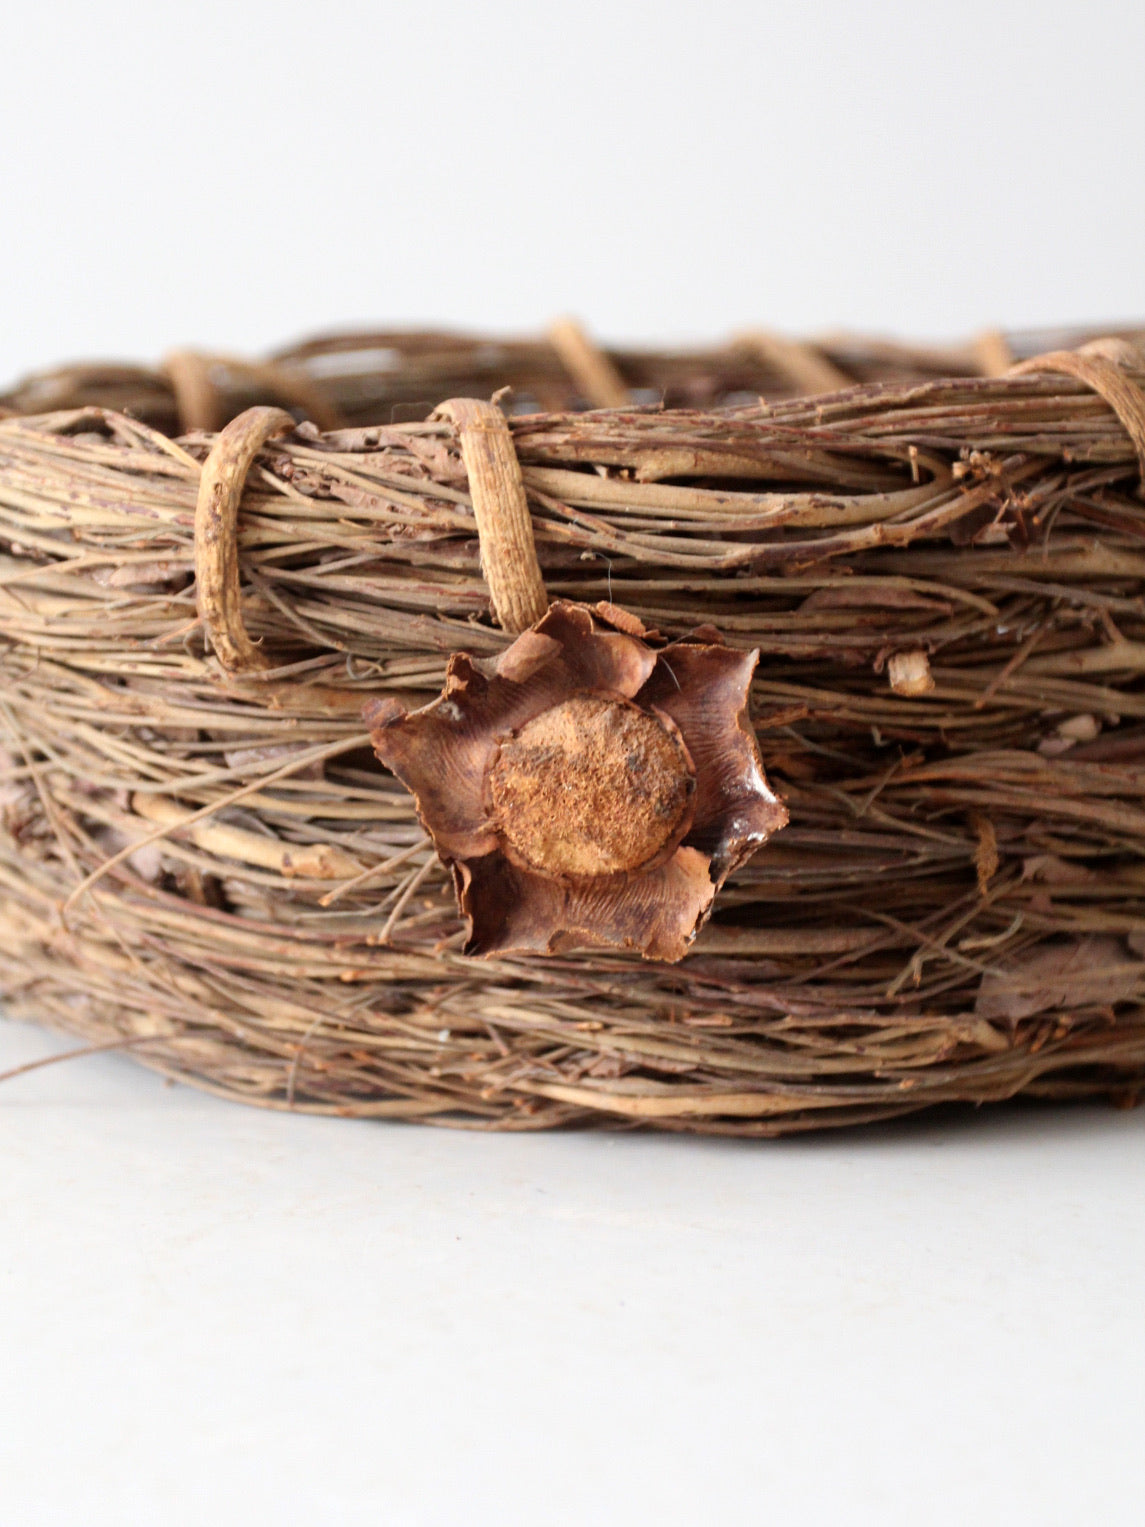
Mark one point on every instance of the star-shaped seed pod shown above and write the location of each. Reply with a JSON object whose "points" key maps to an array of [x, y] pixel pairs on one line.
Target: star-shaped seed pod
{"points": [[587, 788]]}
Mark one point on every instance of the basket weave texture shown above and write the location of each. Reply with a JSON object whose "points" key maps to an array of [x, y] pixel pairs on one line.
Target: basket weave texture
{"points": [[202, 860]]}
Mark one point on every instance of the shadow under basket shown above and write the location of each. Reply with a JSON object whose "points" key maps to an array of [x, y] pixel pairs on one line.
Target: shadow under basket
{"points": [[212, 646]]}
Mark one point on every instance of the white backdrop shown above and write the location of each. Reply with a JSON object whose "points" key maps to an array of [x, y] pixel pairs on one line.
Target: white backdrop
{"points": [[231, 174], [208, 1314]]}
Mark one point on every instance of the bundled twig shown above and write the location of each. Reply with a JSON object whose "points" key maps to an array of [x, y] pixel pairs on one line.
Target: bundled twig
{"points": [[945, 581]]}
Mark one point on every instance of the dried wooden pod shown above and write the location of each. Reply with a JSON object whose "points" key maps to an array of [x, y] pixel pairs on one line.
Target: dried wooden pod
{"points": [[587, 787]]}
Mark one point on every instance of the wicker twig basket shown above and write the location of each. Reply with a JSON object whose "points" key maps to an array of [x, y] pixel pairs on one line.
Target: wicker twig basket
{"points": [[201, 858]]}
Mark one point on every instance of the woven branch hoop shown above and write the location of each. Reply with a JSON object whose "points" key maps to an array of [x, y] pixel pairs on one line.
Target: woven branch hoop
{"points": [[202, 860]]}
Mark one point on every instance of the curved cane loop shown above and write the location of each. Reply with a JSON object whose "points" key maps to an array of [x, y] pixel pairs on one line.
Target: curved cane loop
{"points": [[1107, 378], [217, 588], [1124, 352], [804, 368], [992, 353], [501, 509], [593, 373], [288, 385], [198, 382], [198, 402]]}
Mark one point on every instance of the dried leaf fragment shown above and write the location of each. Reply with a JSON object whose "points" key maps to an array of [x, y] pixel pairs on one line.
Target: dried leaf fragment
{"points": [[1092, 971], [986, 858]]}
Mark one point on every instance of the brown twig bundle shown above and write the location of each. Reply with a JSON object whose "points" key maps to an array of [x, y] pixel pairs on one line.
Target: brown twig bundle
{"points": [[945, 581]]}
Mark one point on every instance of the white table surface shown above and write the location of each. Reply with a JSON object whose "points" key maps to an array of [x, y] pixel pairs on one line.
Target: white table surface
{"points": [[210, 1314]]}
